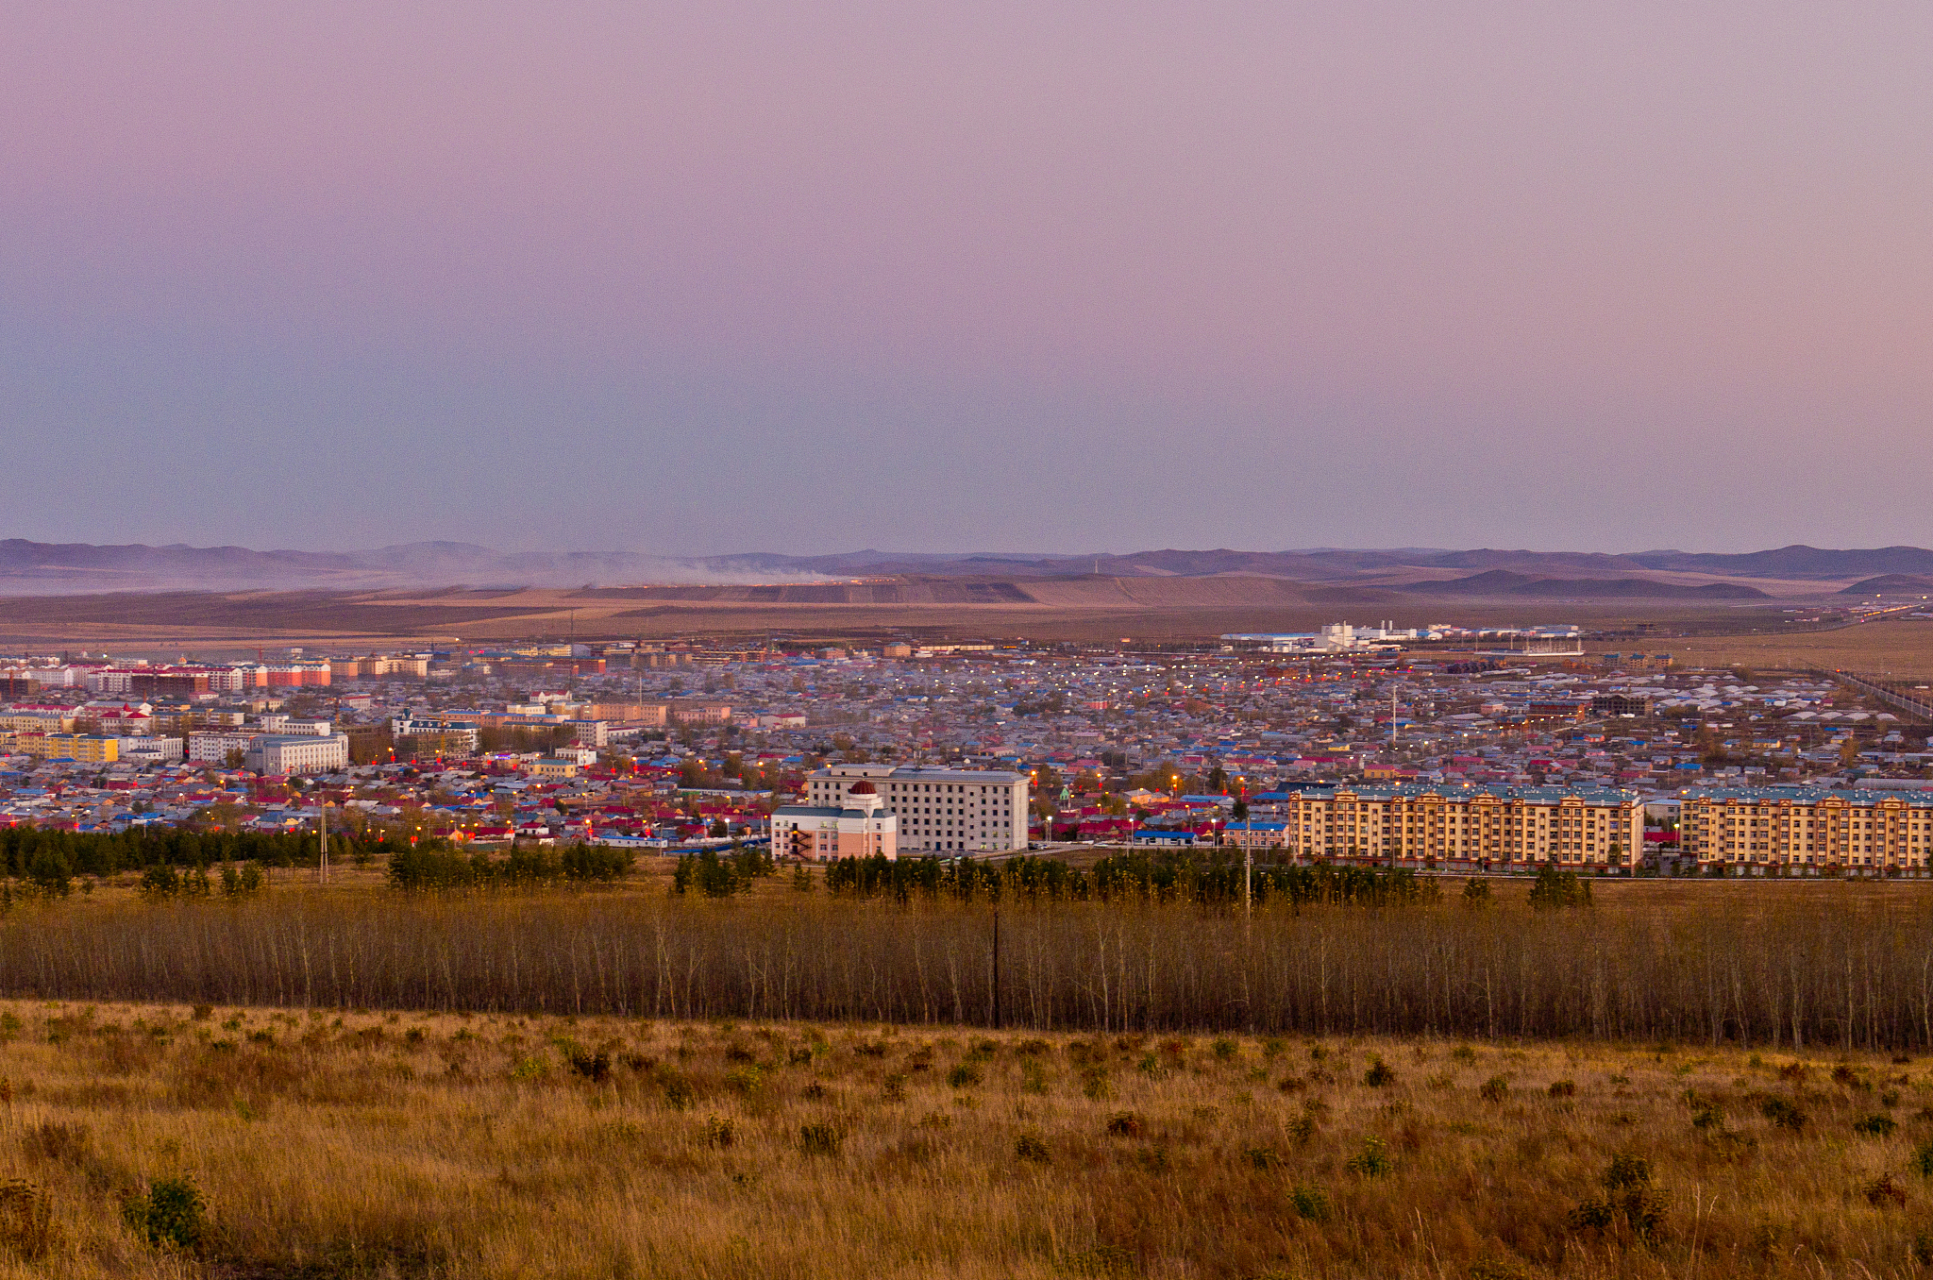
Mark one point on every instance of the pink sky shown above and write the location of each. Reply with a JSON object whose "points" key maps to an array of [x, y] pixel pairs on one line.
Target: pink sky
{"points": [[1376, 274]]}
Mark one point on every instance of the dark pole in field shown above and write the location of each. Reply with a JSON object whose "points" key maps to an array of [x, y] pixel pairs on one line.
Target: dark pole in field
{"points": [[996, 964]]}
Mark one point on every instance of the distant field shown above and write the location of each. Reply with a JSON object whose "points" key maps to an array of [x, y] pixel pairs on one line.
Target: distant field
{"points": [[1092, 610], [1904, 648]]}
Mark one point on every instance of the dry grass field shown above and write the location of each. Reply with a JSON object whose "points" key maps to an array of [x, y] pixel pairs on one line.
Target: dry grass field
{"points": [[325, 1143], [1903, 648]]}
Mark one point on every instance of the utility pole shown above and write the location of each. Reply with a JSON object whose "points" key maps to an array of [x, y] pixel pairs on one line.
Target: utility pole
{"points": [[996, 962], [322, 872]]}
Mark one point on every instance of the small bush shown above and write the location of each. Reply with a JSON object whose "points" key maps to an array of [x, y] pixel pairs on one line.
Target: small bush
{"points": [[1464, 1053], [171, 1215], [677, 1091], [203, 1012], [1495, 1089], [1125, 1124], [1783, 1114], [1879, 1126], [1371, 1160], [1226, 1050], [894, 1088], [1923, 1160], [1095, 1086], [719, 1132], [1264, 1158], [1793, 1071], [820, 1140], [1708, 1118], [1563, 1089], [1380, 1073], [1031, 1148], [964, 1076], [1311, 1202]]}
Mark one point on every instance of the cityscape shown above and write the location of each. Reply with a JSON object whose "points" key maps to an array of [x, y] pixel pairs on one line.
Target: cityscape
{"points": [[882, 641], [1353, 751]]}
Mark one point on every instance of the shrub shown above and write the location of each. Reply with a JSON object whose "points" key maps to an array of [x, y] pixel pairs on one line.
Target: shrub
{"points": [[677, 1091], [894, 1088], [1630, 1199], [745, 1080], [1563, 1089], [1380, 1073], [1226, 1050], [1708, 1118], [1923, 1160], [963, 1076], [1311, 1202], [1464, 1053], [820, 1140], [1371, 1160], [1031, 1148], [1495, 1089], [203, 1012], [1879, 1126], [1264, 1158], [1094, 1084], [172, 1214], [593, 1066], [1783, 1114], [719, 1131], [1125, 1124]]}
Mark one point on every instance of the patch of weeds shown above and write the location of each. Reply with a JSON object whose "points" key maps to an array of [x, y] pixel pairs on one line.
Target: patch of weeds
{"points": [[1274, 1047], [1875, 1126], [1094, 1084], [26, 1218], [820, 1140], [1371, 1160], [202, 1012], [1562, 1089], [1922, 1162], [1032, 1148], [1883, 1191], [592, 1065], [1379, 1075], [963, 1076], [1263, 1158], [1032, 1048], [530, 1070], [1225, 1050], [1922, 1248], [1783, 1114], [1442, 1080], [1152, 1159], [1311, 1203], [1629, 1199], [894, 1088], [171, 1215], [1495, 1089], [677, 1090], [1033, 1077], [720, 1131], [744, 1080], [813, 1092], [1126, 1124], [1464, 1053], [1793, 1071], [1708, 1118], [799, 1055]]}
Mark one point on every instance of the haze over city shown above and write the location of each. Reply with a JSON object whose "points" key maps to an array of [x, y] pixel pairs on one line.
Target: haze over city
{"points": [[689, 280]]}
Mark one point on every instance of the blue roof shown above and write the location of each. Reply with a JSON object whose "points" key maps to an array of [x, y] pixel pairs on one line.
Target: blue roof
{"points": [[1471, 790]]}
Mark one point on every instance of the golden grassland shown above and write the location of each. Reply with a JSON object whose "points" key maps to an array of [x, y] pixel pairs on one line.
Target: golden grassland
{"points": [[327, 1143], [1903, 648]]}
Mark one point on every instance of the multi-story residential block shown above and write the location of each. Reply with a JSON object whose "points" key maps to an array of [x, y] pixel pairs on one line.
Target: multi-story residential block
{"points": [[298, 753], [939, 810], [1808, 831], [857, 826], [214, 748], [1468, 826]]}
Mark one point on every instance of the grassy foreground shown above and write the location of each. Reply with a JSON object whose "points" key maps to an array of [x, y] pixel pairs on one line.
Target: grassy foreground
{"points": [[169, 1141]]}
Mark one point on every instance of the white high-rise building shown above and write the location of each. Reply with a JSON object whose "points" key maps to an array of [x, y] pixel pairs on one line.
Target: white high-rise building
{"points": [[939, 810]]}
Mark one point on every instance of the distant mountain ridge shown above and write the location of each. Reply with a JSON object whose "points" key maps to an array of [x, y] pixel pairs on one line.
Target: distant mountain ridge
{"points": [[37, 568]]}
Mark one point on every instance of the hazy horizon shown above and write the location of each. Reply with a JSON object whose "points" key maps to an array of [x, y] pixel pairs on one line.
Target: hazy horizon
{"points": [[698, 280]]}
